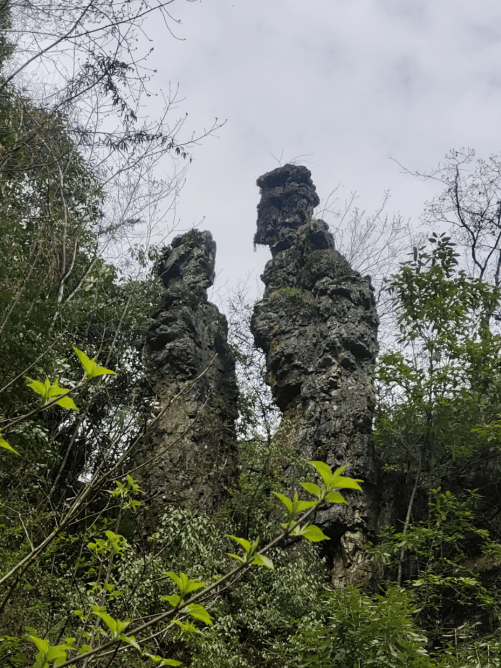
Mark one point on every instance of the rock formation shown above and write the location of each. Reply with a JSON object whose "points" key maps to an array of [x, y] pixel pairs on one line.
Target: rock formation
{"points": [[189, 456], [317, 325]]}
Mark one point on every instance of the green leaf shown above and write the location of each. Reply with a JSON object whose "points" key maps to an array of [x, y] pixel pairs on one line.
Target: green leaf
{"points": [[311, 488], [163, 662], [314, 534], [112, 624], [186, 626], [67, 402], [235, 556], [325, 470], [130, 640], [36, 386], [334, 497], [286, 501], [199, 612], [121, 626], [47, 653], [48, 392], [91, 367], [4, 444], [261, 560], [173, 600], [84, 648], [54, 390], [40, 643], [299, 506], [342, 482], [244, 543], [57, 654], [176, 579], [193, 585], [184, 584]]}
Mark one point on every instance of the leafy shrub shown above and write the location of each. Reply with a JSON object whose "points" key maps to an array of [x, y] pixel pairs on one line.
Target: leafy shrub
{"points": [[356, 630]]}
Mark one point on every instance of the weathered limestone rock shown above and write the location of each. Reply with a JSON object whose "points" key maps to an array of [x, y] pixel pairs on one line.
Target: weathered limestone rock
{"points": [[288, 198], [189, 456], [317, 325]]}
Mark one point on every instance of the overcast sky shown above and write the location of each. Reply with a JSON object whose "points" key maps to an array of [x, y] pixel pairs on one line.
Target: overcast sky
{"points": [[348, 84]]}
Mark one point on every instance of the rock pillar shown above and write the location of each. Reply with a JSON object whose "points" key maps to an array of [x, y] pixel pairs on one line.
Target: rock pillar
{"points": [[317, 325], [189, 457]]}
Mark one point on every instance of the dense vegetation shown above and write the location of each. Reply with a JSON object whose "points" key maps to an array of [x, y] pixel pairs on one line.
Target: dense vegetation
{"points": [[77, 575]]}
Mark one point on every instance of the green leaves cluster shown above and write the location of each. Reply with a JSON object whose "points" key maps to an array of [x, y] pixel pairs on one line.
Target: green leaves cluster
{"points": [[332, 481], [435, 299], [91, 368], [295, 526], [48, 391], [49, 654], [186, 587], [250, 555]]}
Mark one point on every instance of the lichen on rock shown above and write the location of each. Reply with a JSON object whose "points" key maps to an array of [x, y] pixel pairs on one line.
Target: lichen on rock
{"points": [[317, 324], [189, 457]]}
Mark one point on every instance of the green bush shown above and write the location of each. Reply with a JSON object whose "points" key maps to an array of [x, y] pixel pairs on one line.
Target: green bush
{"points": [[356, 630]]}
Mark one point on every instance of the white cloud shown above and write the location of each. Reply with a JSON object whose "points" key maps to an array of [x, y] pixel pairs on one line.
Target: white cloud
{"points": [[351, 82]]}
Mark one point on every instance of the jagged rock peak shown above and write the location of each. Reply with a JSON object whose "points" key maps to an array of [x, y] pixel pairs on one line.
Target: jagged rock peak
{"points": [[288, 197], [189, 456], [191, 257], [317, 325]]}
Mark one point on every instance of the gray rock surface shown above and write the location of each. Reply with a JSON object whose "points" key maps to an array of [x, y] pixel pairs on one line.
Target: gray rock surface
{"points": [[189, 457], [288, 198], [317, 324]]}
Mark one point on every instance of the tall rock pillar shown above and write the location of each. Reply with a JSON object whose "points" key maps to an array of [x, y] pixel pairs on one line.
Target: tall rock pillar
{"points": [[189, 457], [317, 325]]}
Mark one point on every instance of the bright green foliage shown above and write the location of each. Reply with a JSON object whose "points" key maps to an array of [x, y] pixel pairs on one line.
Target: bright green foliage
{"points": [[435, 300], [4, 444], [47, 653], [332, 482], [125, 491], [310, 532], [184, 584], [250, 553], [91, 367], [48, 391], [158, 661], [294, 507], [199, 612], [115, 626], [114, 544]]}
